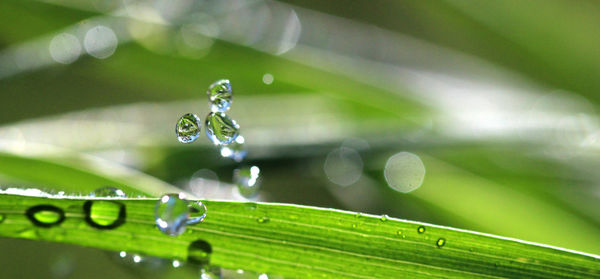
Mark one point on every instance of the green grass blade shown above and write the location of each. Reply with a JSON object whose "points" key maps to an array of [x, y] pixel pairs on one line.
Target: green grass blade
{"points": [[302, 242]]}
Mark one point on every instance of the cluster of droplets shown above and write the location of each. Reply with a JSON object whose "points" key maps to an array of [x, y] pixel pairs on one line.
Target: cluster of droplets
{"points": [[173, 213], [223, 132]]}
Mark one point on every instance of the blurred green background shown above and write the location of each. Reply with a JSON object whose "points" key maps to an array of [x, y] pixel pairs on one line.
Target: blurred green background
{"points": [[494, 100]]}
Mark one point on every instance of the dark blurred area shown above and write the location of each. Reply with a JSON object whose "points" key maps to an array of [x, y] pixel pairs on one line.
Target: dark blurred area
{"points": [[470, 114]]}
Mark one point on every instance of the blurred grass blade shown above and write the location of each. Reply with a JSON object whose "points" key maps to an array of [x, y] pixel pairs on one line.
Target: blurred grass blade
{"points": [[299, 242]]}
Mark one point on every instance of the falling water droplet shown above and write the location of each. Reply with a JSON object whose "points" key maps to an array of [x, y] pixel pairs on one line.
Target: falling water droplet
{"points": [[421, 229], [440, 242], [197, 213], [104, 214], [221, 129], [188, 128], [108, 192], [247, 179], [199, 252], [171, 214], [384, 218], [263, 219], [45, 215], [220, 95], [2, 217], [235, 150]]}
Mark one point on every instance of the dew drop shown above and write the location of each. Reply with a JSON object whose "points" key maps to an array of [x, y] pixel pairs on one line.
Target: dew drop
{"points": [[235, 150], [220, 95], [108, 192], [197, 212], [221, 129], [199, 252], [2, 217], [247, 179], [188, 128], [384, 218], [421, 229], [104, 214], [263, 219], [171, 214], [45, 215], [440, 242]]}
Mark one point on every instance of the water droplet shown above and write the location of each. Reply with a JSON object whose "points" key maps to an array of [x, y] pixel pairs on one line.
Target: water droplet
{"points": [[197, 212], [220, 95], [104, 214], [384, 218], [199, 252], [45, 215], [440, 242], [176, 263], [221, 129], [421, 229], [108, 192], [263, 276], [235, 150], [171, 213], [263, 219], [188, 128], [2, 217], [248, 180]]}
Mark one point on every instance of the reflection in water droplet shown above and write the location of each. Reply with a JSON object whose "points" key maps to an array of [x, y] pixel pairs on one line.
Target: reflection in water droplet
{"points": [[104, 214], [199, 252], [100, 42], [197, 213], [440, 242], [221, 129], [235, 150], [220, 95], [108, 192], [45, 215], [384, 218], [263, 219], [247, 180], [188, 128], [65, 48], [421, 229], [171, 213], [404, 172], [343, 166]]}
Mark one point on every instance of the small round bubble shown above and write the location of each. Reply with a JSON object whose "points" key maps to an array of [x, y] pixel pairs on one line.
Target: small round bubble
{"points": [[221, 129], [220, 95], [197, 212]]}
